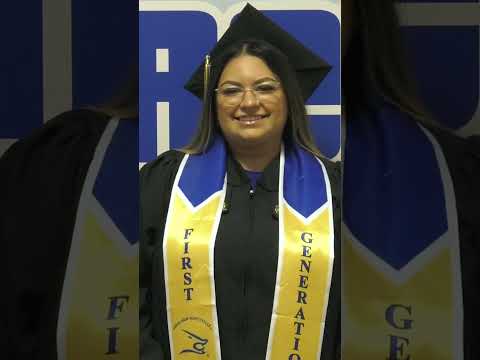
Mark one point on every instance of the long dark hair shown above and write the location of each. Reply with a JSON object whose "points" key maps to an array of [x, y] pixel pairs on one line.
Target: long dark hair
{"points": [[297, 127], [375, 67], [124, 101]]}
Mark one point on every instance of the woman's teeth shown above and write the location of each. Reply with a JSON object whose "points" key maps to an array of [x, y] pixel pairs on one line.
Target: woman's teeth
{"points": [[250, 119]]}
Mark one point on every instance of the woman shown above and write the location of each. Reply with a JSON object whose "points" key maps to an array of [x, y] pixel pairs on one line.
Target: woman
{"points": [[227, 263], [409, 206]]}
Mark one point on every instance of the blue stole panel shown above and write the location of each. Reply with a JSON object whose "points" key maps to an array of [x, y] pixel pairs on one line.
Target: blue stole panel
{"points": [[394, 202]]}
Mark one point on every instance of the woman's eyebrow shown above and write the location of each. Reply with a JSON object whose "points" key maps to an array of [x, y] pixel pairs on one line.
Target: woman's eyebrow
{"points": [[266, 78], [231, 82]]}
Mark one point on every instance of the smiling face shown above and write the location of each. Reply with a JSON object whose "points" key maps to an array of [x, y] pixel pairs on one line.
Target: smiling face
{"points": [[258, 116]]}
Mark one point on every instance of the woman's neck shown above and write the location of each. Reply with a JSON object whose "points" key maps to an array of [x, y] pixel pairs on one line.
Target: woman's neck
{"points": [[255, 158]]}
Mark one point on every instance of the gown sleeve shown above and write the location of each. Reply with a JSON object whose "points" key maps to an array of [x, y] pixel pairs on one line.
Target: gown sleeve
{"points": [[41, 178], [463, 158], [469, 226], [464, 165], [156, 181]]}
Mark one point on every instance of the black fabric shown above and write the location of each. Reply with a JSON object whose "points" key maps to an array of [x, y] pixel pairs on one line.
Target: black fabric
{"points": [[463, 158], [252, 24], [41, 178], [246, 254]]}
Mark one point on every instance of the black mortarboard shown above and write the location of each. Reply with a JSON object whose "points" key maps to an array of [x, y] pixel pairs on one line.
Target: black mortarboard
{"points": [[252, 24]]}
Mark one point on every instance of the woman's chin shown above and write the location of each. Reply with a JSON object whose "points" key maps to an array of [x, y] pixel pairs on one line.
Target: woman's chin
{"points": [[252, 139], [253, 136]]}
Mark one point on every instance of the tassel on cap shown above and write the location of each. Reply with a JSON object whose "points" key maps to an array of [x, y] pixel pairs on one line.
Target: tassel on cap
{"points": [[206, 77]]}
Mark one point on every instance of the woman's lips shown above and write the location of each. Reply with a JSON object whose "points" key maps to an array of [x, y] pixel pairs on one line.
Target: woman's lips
{"points": [[250, 119]]}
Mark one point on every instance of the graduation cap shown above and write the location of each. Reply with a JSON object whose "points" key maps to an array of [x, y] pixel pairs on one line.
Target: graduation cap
{"points": [[252, 24]]}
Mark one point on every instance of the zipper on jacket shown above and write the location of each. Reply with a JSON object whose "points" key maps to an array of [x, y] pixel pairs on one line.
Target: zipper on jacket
{"points": [[251, 195]]}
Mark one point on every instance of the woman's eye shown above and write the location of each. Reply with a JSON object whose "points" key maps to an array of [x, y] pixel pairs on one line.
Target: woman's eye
{"points": [[231, 91], [265, 88]]}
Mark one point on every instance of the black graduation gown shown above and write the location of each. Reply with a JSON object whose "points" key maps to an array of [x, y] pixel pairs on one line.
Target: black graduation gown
{"points": [[463, 159], [41, 179], [246, 254]]}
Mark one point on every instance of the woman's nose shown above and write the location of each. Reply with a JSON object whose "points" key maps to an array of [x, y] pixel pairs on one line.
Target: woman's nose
{"points": [[249, 98]]}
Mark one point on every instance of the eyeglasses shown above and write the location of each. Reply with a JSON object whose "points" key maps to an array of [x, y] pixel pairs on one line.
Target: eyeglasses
{"points": [[234, 94]]}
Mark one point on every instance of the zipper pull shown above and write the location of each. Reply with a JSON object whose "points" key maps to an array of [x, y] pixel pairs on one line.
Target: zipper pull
{"points": [[251, 192]]}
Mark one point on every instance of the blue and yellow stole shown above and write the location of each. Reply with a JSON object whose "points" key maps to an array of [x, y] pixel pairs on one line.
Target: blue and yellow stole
{"points": [[98, 317], [402, 292], [306, 246]]}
